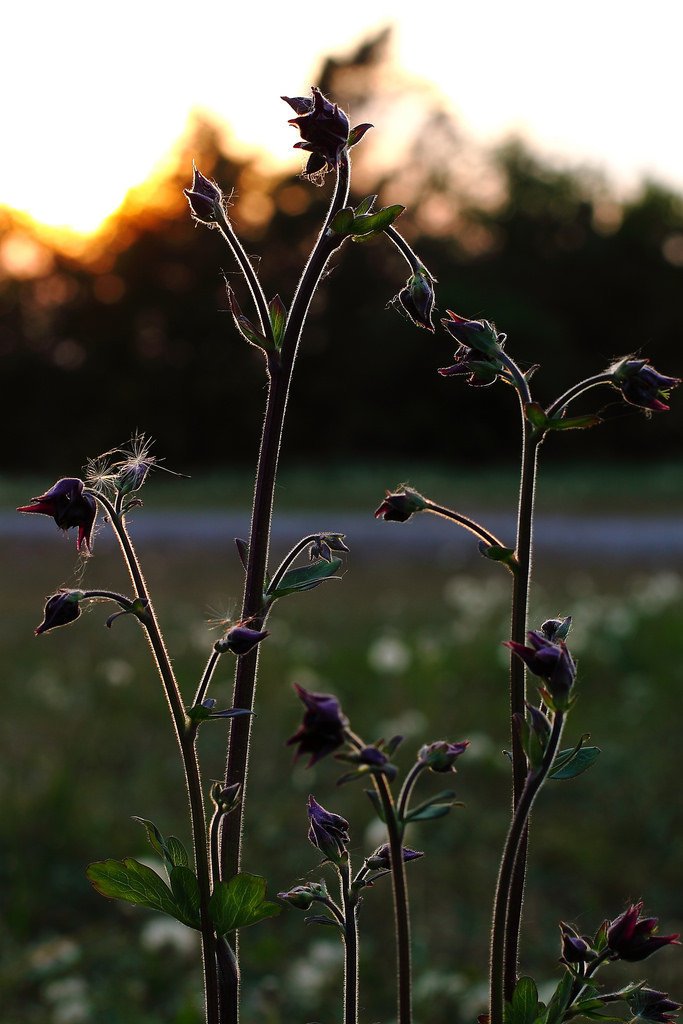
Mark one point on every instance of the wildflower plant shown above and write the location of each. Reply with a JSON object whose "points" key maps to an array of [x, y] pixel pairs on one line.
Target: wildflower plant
{"points": [[207, 888]]}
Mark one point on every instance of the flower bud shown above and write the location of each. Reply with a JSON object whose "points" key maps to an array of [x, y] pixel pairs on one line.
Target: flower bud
{"points": [[226, 798], [552, 662], [640, 384], [478, 335], [324, 544], [60, 609], [204, 197], [328, 832], [441, 756], [322, 728], [416, 299], [633, 938], [240, 639], [380, 860], [556, 629], [300, 897], [575, 949], [400, 505], [649, 1004]]}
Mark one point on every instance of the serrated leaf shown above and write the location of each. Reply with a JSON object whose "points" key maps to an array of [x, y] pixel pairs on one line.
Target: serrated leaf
{"points": [[368, 223], [240, 903], [365, 205], [278, 319], [132, 882], [177, 853], [377, 804], [578, 762], [305, 578], [185, 889], [574, 422], [342, 222]]}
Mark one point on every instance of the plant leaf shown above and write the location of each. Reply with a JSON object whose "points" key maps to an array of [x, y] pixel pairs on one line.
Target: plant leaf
{"points": [[177, 853], [321, 919], [185, 889], [365, 205], [278, 319], [342, 222], [155, 837], [535, 414], [429, 813], [374, 223], [240, 902], [243, 551], [524, 1007], [560, 1000], [570, 763], [377, 804], [132, 882], [573, 422], [305, 578]]}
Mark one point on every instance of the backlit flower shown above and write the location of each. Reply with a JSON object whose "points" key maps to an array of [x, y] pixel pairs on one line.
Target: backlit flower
{"points": [[68, 506]]}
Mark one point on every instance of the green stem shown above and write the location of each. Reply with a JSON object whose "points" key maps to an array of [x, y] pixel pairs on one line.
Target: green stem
{"points": [[407, 789], [518, 628], [511, 851], [561, 403], [468, 524], [350, 919], [108, 595], [185, 738], [409, 255], [400, 889], [290, 557], [280, 372], [207, 675], [257, 293]]}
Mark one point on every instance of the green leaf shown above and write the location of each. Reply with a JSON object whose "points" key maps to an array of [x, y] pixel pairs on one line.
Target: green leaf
{"points": [[343, 221], [278, 319], [536, 415], [365, 205], [240, 902], [432, 811], [570, 763], [243, 551], [248, 331], [573, 422], [305, 578], [155, 837], [321, 919], [524, 1007], [560, 1000], [132, 882], [374, 223], [185, 889], [177, 853]]}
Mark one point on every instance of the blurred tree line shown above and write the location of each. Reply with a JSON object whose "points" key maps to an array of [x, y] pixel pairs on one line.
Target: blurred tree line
{"points": [[135, 335]]}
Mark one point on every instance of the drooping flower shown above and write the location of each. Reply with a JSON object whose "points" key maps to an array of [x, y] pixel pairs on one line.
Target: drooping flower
{"points": [[575, 949], [398, 506], [240, 639], [322, 728], [649, 1004], [324, 544], [68, 506], [60, 609], [550, 661], [328, 832], [416, 299], [325, 131], [479, 335], [640, 384], [633, 938]]}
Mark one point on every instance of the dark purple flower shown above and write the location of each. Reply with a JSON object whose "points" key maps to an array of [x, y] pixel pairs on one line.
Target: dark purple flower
{"points": [[649, 1004], [550, 661], [60, 609], [441, 756], [68, 506], [324, 544], [204, 197], [481, 370], [325, 131], [398, 506], [642, 385], [328, 832], [416, 299], [322, 728], [575, 949], [240, 639], [633, 938], [380, 860]]}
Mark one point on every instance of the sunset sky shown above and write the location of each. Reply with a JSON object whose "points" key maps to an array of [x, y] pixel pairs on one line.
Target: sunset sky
{"points": [[96, 95]]}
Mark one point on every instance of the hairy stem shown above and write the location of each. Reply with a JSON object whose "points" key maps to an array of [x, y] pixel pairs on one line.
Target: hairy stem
{"points": [[185, 738], [257, 294], [561, 403], [401, 911], [350, 904], [466, 522], [511, 852], [280, 372]]}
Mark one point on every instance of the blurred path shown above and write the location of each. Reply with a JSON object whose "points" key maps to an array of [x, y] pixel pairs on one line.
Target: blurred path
{"points": [[651, 539]]}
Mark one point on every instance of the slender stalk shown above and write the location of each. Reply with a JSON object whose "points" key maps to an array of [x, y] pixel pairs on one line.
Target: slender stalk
{"points": [[257, 293], [400, 889], [185, 737], [407, 789], [205, 681], [350, 903], [290, 557], [561, 403], [280, 372], [518, 627], [511, 852], [467, 523], [409, 255], [108, 595]]}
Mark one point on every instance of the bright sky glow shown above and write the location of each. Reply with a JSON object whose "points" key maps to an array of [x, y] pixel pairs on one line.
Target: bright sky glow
{"points": [[101, 92]]}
